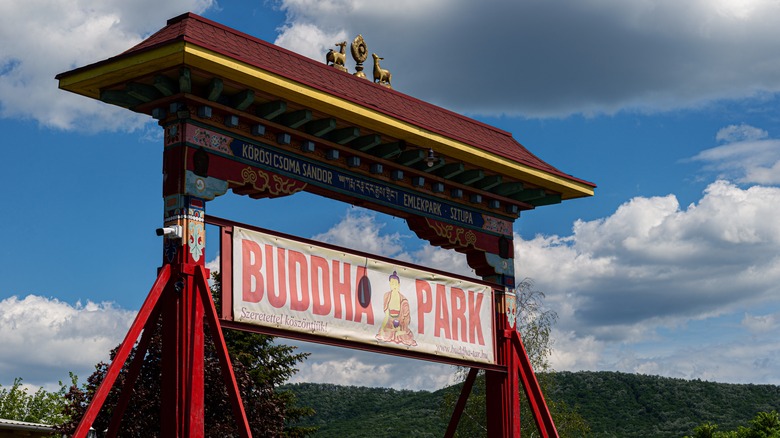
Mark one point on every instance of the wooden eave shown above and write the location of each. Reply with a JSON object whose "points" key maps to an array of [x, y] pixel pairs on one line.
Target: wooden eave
{"points": [[179, 52]]}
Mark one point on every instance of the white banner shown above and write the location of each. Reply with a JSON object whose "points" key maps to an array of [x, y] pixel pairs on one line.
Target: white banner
{"points": [[295, 286]]}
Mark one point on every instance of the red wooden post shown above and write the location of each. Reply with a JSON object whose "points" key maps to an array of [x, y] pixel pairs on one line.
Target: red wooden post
{"points": [[182, 398], [502, 389]]}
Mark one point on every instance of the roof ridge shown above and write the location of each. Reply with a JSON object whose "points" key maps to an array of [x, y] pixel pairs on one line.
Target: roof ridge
{"points": [[194, 16]]}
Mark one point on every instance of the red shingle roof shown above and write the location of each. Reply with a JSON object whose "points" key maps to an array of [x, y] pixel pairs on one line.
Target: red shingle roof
{"points": [[221, 39]]}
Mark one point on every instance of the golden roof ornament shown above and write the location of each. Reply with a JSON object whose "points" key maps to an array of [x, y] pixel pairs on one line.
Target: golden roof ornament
{"points": [[359, 51], [380, 74], [359, 54], [337, 59]]}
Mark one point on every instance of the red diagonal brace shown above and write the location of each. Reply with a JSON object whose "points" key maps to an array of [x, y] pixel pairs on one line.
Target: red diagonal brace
{"points": [[132, 374], [533, 391], [124, 351], [461, 404], [224, 357]]}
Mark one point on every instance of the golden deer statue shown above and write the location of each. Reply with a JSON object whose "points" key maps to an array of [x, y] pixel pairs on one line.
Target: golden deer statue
{"points": [[337, 59], [380, 74]]}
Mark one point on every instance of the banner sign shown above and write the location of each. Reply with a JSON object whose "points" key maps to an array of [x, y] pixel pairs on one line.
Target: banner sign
{"points": [[313, 172], [301, 287]]}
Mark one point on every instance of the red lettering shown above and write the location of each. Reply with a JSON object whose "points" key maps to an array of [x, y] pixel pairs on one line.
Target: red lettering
{"points": [[424, 303], [475, 324], [276, 297], [442, 319], [458, 299], [252, 277], [341, 290], [299, 290], [360, 310], [320, 290]]}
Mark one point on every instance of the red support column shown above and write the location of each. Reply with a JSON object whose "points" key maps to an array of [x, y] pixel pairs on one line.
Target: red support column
{"points": [[182, 398], [502, 388]]}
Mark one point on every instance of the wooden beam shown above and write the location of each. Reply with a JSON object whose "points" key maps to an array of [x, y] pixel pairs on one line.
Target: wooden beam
{"points": [[344, 135], [365, 142], [386, 150], [185, 80], [166, 85], [469, 177], [272, 109], [407, 158], [508, 189], [449, 170], [423, 165], [529, 195], [546, 200], [119, 97], [295, 119], [320, 127], [242, 99], [488, 182], [215, 89], [143, 92]]}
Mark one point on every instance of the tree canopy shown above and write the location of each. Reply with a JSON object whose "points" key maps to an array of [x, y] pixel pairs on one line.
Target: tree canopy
{"points": [[17, 403], [763, 425]]}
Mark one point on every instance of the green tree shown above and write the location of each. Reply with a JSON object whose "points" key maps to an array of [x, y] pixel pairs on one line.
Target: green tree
{"points": [[42, 406], [763, 425], [534, 322], [706, 430], [260, 366]]}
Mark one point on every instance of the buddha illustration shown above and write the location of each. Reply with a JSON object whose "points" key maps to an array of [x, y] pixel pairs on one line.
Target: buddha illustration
{"points": [[395, 326]]}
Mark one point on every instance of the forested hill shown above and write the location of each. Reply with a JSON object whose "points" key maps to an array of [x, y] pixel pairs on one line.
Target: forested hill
{"points": [[613, 405], [631, 405]]}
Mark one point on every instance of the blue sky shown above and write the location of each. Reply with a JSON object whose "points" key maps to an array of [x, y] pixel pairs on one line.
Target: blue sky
{"points": [[671, 108]]}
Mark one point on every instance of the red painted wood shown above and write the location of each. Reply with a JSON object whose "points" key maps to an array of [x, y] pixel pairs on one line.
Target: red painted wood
{"points": [[124, 351], [193, 397], [132, 373], [542, 416], [224, 357], [169, 384], [461, 404], [503, 391], [226, 261]]}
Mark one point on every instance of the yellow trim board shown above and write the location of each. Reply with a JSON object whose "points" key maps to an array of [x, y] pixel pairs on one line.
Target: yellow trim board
{"points": [[89, 80]]}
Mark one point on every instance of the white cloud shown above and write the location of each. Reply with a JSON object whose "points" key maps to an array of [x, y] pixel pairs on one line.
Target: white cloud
{"points": [[359, 230], [44, 338], [760, 324], [559, 57], [309, 40], [634, 289], [743, 132], [41, 39], [574, 353], [652, 260], [350, 367], [748, 156]]}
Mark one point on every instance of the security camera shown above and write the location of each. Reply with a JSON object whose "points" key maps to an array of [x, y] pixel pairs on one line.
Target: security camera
{"points": [[172, 232]]}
